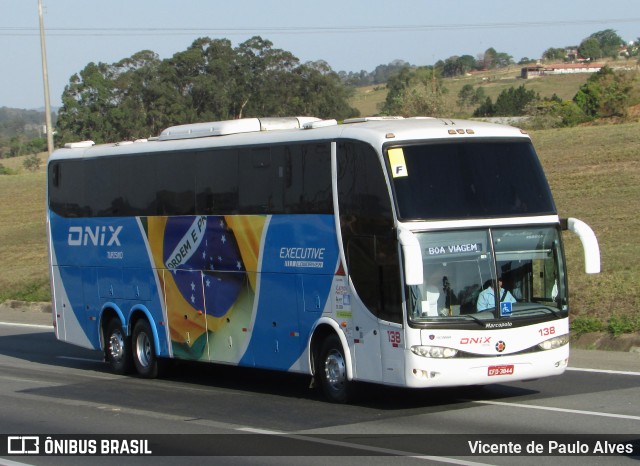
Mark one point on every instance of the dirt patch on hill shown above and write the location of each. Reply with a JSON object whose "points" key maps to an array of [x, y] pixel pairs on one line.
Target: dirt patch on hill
{"points": [[605, 341], [26, 306]]}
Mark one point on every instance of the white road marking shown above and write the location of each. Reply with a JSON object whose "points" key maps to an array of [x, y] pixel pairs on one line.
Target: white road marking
{"points": [[560, 410], [387, 451], [602, 371], [13, 324]]}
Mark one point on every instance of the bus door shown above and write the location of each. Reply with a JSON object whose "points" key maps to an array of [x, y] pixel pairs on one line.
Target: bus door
{"points": [[371, 252], [379, 335]]}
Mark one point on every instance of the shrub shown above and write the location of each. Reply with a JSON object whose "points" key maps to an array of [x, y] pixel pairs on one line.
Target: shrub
{"points": [[6, 171], [586, 324], [31, 162], [619, 324]]}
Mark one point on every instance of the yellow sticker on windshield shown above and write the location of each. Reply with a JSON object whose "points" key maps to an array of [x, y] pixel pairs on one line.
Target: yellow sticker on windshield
{"points": [[396, 160]]}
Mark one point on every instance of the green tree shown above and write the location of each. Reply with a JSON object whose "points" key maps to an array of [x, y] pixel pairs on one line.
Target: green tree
{"points": [[456, 66], [554, 54], [554, 113], [608, 94], [486, 109], [382, 73], [415, 92], [527, 61], [601, 44], [513, 101], [320, 92], [590, 48], [491, 59], [469, 96], [140, 95], [31, 162], [86, 105], [510, 102], [610, 42]]}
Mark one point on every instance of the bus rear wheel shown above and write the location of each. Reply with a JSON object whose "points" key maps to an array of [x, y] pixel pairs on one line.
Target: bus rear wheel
{"points": [[332, 371], [144, 355], [118, 348]]}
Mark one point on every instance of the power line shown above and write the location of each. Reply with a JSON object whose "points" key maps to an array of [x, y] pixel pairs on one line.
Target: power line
{"points": [[16, 31]]}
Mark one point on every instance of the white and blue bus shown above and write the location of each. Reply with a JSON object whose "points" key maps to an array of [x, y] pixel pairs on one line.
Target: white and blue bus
{"points": [[351, 252]]}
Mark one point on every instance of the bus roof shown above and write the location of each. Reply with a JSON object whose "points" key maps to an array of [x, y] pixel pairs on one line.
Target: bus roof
{"points": [[256, 131]]}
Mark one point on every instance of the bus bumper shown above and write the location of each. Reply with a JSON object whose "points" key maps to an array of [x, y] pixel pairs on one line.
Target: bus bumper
{"points": [[424, 372]]}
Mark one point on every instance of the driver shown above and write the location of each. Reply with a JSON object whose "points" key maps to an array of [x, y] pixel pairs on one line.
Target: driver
{"points": [[487, 297]]}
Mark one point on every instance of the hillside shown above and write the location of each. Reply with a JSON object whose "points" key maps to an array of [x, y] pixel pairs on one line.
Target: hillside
{"points": [[367, 99]]}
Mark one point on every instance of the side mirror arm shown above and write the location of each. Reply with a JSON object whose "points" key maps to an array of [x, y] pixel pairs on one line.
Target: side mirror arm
{"points": [[412, 257], [589, 243]]}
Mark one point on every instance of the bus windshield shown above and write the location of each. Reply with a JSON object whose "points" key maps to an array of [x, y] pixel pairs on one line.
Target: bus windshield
{"points": [[490, 274], [468, 179]]}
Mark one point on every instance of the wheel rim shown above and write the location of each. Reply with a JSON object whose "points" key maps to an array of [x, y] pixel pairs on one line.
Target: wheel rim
{"points": [[116, 346], [335, 370], [143, 349]]}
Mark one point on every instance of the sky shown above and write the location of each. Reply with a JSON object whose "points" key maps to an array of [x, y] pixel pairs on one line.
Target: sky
{"points": [[350, 35]]}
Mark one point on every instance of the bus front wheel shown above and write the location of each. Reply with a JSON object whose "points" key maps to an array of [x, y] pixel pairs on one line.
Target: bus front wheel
{"points": [[332, 371], [144, 355], [118, 348]]}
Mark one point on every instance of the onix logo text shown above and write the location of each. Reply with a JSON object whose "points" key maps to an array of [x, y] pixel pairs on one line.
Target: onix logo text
{"points": [[98, 236], [475, 341]]}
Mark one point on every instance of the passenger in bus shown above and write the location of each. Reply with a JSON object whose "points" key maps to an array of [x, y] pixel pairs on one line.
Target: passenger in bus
{"points": [[487, 297], [449, 294]]}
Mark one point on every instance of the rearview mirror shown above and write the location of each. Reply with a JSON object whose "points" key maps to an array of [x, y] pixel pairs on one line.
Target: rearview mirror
{"points": [[412, 257]]}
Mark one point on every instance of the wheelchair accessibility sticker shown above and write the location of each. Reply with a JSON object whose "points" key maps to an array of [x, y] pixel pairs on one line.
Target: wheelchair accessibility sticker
{"points": [[505, 309]]}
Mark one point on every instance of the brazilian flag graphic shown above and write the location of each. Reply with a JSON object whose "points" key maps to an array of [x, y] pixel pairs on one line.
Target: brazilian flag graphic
{"points": [[207, 266]]}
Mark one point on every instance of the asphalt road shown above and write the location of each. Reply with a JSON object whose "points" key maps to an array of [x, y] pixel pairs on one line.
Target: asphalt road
{"points": [[49, 387]]}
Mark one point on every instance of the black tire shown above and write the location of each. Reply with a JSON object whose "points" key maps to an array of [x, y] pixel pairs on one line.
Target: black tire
{"points": [[117, 348], [332, 371], [144, 354]]}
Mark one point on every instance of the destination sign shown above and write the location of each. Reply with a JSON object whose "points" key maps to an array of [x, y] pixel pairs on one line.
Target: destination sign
{"points": [[447, 249]]}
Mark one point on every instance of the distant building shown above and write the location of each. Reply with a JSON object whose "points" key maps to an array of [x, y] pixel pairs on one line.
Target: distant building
{"points": [[536, 71]]}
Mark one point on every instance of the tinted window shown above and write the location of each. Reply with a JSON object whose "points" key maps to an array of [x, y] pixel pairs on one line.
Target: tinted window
{"points": [[217, 182], [175, 183], [137, 185], [253, 180], [367, 230], [66, 188], [362, 190], [101, 187], [256, 180], [304, 176], [469, 179]]}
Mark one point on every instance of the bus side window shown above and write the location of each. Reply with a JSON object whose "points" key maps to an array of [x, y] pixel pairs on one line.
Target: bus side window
{"points": [[176, 174], [217, 182], [304, 177], [137, 181], [66, 188]]}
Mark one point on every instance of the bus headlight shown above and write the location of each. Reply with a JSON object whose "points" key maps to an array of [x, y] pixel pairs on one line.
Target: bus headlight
{"points": [[434, 351], [554, 343]]}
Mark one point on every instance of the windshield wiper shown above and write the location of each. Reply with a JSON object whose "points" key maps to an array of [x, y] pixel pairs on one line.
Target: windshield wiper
{"points": [[549, 310], [477, 319]]}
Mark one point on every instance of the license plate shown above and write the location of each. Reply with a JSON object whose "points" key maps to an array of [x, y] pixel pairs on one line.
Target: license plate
{"points": [[500, 370]]}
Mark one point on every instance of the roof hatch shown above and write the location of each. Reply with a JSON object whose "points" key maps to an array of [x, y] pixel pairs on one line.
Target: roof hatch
{"points": [[243, 125]]}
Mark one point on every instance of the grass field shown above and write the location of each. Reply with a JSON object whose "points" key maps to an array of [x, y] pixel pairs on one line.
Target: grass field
{"points": [[594, 173], [23, 246]]}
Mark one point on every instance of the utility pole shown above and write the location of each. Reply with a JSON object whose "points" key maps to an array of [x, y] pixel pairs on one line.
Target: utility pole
{"points": [[45, 78]]}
